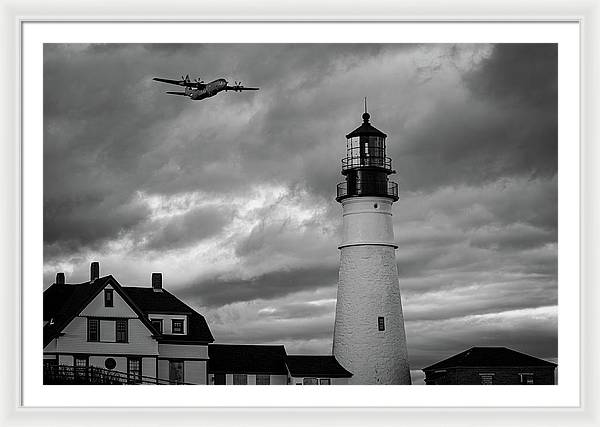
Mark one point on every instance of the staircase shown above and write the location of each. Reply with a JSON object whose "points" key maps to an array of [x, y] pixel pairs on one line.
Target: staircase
{"points": [[64, 374]]}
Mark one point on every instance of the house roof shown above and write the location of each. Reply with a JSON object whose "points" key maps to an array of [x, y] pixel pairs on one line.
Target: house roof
{"points": [[150, 301], [316, 366], [246, 359], [489, 356], [62, 302]]}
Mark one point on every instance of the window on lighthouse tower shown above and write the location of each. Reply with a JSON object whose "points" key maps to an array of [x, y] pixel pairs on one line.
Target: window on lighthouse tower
{"points": [[381, 323]]}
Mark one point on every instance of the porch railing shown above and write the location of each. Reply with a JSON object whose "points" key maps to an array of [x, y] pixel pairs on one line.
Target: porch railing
{"points": [[65, 374]]}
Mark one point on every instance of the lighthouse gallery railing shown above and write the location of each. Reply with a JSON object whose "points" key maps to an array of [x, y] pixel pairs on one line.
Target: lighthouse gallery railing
{"points": [[359, 187]]}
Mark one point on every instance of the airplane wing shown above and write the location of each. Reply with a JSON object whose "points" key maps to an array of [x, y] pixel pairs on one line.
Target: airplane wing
{"points": [[177, 93], [240, 88], [180, 82]]}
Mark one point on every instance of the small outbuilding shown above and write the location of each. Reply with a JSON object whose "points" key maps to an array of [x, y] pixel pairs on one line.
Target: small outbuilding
{"points": [[316, 370], [491, 366]]}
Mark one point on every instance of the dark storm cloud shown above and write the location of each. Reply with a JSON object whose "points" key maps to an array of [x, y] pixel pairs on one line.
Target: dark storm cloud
{"points": [[451, 303], [88, 220], [507, 126], [191, 227], [277, 332], [274, 284], [519, 74]]}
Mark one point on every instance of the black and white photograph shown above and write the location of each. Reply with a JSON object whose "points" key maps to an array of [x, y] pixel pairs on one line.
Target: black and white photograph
{"points": [[300, 214]]}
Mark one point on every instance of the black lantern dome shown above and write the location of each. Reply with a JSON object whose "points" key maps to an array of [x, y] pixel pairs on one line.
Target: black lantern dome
{"points": [[366, 166]]}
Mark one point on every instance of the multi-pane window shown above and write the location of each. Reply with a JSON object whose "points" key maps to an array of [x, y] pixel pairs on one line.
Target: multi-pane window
{"points": [[487, 379], [108, 298], [177, 326], [157, 324], [310, 381], [324, 381], [381, 323], [81, 364], [81, 361], [240, 379], [121, 330], [93, 330], [134, 370], [263, 379]]}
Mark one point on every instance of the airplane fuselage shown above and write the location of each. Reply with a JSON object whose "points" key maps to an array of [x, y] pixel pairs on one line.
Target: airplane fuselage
{"points": [[211, 89]]}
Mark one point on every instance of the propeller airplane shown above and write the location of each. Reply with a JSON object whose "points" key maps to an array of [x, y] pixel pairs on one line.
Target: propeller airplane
{"points": [[198, 90]]}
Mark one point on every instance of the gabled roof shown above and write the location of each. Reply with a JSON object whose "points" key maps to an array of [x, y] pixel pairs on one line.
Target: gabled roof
{"points": [[150, 301], [490, 356], [62, 302], [246, 359], [316, 366]]}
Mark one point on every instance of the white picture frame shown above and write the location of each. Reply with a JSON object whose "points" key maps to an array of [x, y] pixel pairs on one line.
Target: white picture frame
{"points": [[15, 13]]}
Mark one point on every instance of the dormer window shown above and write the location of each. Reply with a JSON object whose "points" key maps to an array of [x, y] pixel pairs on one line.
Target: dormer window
{"points": [[157, 324], [108, 298], [177, 326]]}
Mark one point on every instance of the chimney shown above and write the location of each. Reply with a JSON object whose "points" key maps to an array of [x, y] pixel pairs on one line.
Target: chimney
{"points": [[94, 271], [157, 282], [60, 278]]}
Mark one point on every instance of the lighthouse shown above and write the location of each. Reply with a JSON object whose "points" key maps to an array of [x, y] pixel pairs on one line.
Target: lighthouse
{"points": [[369, 338]]}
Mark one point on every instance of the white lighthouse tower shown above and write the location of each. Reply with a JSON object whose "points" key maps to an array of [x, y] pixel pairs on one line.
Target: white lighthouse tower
{"points": [[369, 338]]}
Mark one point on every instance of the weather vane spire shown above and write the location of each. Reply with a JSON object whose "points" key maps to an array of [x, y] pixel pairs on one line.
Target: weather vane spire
{"points": [[365, 104]]}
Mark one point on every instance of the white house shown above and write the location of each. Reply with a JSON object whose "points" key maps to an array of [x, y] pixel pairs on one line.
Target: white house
{"points": [[99, 332], [130, 334]]}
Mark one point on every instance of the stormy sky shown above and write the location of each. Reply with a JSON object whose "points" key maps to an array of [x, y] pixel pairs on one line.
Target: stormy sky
{"points": [[232, 198]]}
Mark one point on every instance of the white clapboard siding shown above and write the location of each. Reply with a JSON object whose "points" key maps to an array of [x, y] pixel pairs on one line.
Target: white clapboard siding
{"points": [[100, 362], [177, 351], [149, 367], [194, 371], [74, 340], [108, 331], [163, 369], [51, 347], [96, 307]]}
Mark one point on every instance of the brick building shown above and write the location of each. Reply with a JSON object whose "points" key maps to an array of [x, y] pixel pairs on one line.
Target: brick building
{"points": [[490, 366]]}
